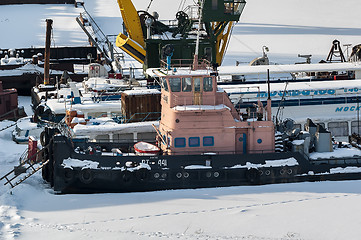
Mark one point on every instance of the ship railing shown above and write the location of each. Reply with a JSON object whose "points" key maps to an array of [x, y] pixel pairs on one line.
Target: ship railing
{"points": [[138, 117], [186, 63], [185, 101], [105, 146], [225, 152], [337, 161], [192, 11]]}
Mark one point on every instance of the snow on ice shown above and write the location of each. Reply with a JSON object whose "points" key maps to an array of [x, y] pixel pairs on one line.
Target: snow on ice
{"points": [[317, 210]]}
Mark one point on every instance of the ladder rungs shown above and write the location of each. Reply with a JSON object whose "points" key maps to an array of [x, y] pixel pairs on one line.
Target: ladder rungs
{"points": [[26, 176]]}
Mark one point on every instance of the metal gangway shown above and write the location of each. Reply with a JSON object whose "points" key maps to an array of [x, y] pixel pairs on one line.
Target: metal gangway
{"points": [[27, 164]]}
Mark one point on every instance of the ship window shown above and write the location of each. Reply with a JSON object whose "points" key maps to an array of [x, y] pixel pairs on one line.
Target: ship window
{"points": [[208, 141], [228, 8], [239, 6], [187, 84], [175, 84], [197, 84], [338, 129], [214, 4], [207, 84], [179, 142], [165, 85], [194, 142], [356, 127]]}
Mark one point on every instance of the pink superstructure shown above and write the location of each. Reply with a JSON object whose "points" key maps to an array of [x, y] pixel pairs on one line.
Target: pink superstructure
{"points": [[198, 118]]}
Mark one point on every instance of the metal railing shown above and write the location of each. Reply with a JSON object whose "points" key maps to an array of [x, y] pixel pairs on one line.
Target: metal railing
{"points": [[186, 63]]}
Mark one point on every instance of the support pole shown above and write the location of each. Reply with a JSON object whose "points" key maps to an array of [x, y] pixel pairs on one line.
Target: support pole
{"points": [[49, 23]]}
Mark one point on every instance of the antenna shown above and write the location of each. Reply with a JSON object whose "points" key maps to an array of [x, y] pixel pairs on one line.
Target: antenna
{"points": [[282, 99], [195, 59], [269, 103]]}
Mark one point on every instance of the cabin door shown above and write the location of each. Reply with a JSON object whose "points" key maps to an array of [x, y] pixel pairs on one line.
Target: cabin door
{"points": [[241, 143], [197, 91]]}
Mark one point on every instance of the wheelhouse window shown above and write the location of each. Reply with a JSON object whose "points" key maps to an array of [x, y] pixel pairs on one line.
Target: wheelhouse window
{"points": [[207, 84], [228, 7], [197, 84], [165, 84], [187, 84], [194, 142], [208, 141], [179, 142], [234, 7], [239, 6], [175, 84], [214, 4]]}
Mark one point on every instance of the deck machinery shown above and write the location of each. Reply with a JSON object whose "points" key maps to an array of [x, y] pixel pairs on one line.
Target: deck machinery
{"points": [[150, 41]]}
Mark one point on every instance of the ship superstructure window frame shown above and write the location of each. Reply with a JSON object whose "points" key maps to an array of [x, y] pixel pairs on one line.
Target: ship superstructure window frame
{"points": [[208, 84], [208, 141], [175, 84], [197, 84], [180, 142], [234, 7], [165, 84], [187, 84], [194, 142]]}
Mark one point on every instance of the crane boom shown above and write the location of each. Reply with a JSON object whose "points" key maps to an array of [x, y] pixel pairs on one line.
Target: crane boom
{"points": [[131, 21], [133, 44]]}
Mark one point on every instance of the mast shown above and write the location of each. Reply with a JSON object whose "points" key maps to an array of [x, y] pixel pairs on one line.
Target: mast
{"points": [[195, 59], [269, 103]]}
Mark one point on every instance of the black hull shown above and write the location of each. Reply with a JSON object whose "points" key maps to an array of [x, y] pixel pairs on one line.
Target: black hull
{"points": [[176, 172]]}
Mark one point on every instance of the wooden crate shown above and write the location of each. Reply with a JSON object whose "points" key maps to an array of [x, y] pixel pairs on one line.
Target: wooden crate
{"points": [[141, 105]]}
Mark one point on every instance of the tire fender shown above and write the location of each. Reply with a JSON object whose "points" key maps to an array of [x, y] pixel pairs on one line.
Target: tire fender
{"points": [[86, 176]]}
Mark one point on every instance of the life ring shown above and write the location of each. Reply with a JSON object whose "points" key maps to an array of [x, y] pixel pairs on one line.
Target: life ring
{"points": [[68, 174], [44, 138], [142, 174], [86, 176], [253, 175]]}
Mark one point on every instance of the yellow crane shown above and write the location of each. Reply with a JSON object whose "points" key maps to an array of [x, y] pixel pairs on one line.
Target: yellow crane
{"points": [[218, 17], [133, 44]]}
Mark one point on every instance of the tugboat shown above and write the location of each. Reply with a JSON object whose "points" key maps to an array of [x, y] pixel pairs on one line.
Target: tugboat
{"points": [[204, 142]]}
